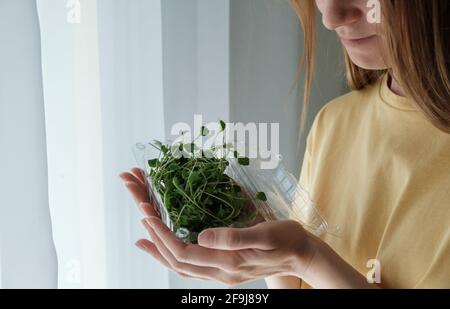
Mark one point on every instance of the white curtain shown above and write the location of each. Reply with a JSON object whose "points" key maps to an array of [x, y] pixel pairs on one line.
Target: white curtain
{"points": [[103, 82], [27, 252], [103, 93]]}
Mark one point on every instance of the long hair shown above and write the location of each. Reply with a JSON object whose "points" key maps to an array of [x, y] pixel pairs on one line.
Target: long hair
{"points": [[416, 37]]}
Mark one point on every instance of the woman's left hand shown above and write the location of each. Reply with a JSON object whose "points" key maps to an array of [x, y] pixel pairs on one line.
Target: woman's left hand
{"points": [[234, 256], [230, 256]]}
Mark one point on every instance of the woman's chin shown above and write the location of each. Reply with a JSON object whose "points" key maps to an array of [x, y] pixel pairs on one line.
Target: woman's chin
{"points": [[367, 62]]}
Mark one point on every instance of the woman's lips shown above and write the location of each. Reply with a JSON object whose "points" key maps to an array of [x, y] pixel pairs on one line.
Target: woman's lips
{"points": [[355, 42]]}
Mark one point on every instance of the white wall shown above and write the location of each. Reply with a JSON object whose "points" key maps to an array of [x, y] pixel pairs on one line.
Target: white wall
{"points": [[266, 45], [196, 60], [196, 71]]}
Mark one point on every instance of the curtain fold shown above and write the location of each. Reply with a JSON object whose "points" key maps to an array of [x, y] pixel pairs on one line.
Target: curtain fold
{"points": [[103, 93], [27, 252], [131, 79]]}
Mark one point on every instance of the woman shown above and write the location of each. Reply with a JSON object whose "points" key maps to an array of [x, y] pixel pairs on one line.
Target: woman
{"points": [[377, 165]]}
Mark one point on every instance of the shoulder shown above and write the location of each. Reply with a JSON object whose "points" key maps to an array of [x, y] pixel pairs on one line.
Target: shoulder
{"points": [[349, 105], [344, 113], [349, 108]]}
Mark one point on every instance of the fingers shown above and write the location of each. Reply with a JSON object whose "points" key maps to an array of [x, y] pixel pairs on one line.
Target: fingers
{"points": [[191, 270], [139, 174], [194, 254], [135, 183], [139, 194], [230, 278], [257, 237], [148, 210], [132, 177], [151, 249]]}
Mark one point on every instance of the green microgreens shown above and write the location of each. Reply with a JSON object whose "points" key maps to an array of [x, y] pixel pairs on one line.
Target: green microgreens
{"points": [[195, 189]]}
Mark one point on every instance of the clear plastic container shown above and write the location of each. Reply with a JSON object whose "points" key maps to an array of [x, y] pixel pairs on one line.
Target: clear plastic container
{"points": [[285, 198]]}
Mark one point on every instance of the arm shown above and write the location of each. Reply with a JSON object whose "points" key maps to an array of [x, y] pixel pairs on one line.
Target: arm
{"points": [[327, 270], [288, 282]]}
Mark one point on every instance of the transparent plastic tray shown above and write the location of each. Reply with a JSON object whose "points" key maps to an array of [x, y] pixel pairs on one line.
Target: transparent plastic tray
{"points": [[286, 199]]}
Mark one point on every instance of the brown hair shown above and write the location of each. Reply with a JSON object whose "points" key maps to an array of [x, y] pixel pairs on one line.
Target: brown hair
{"points": [[416, 34]]}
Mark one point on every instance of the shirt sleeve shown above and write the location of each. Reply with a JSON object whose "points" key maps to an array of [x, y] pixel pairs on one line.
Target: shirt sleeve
{"points": [[305, 173]]}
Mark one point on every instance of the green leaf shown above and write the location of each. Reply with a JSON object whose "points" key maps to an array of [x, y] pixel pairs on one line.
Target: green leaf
{"points": [[153, 163], [205, 131], [221, 213], [193, 178], [261, 196], [244, 161], [222, 125], [164, 149], [172, 167]]}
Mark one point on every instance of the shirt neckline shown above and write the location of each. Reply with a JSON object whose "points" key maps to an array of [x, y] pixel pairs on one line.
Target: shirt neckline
{"points": [[394, 100]]}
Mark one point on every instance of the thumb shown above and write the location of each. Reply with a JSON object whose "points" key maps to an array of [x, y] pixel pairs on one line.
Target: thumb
{"points": [[255, 237]]}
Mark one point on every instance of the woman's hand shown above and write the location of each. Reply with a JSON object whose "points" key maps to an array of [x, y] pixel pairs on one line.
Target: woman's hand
{"points": [[230, 256], [235, 256], [136, 184]]}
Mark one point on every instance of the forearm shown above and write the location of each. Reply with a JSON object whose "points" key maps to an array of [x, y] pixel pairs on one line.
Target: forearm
{"points": [[283, 282], [327, 270]]}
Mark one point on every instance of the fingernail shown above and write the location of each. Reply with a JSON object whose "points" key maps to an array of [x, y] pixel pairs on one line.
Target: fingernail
{"points": [[142, 205], [206, 239], [139, 245]]}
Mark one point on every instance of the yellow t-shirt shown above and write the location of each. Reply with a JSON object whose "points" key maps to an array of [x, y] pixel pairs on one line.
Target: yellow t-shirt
{"points": [[380, 171]]}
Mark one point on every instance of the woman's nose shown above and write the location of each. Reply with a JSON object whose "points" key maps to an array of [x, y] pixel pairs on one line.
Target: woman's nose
{"points": [[338, 13]]}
